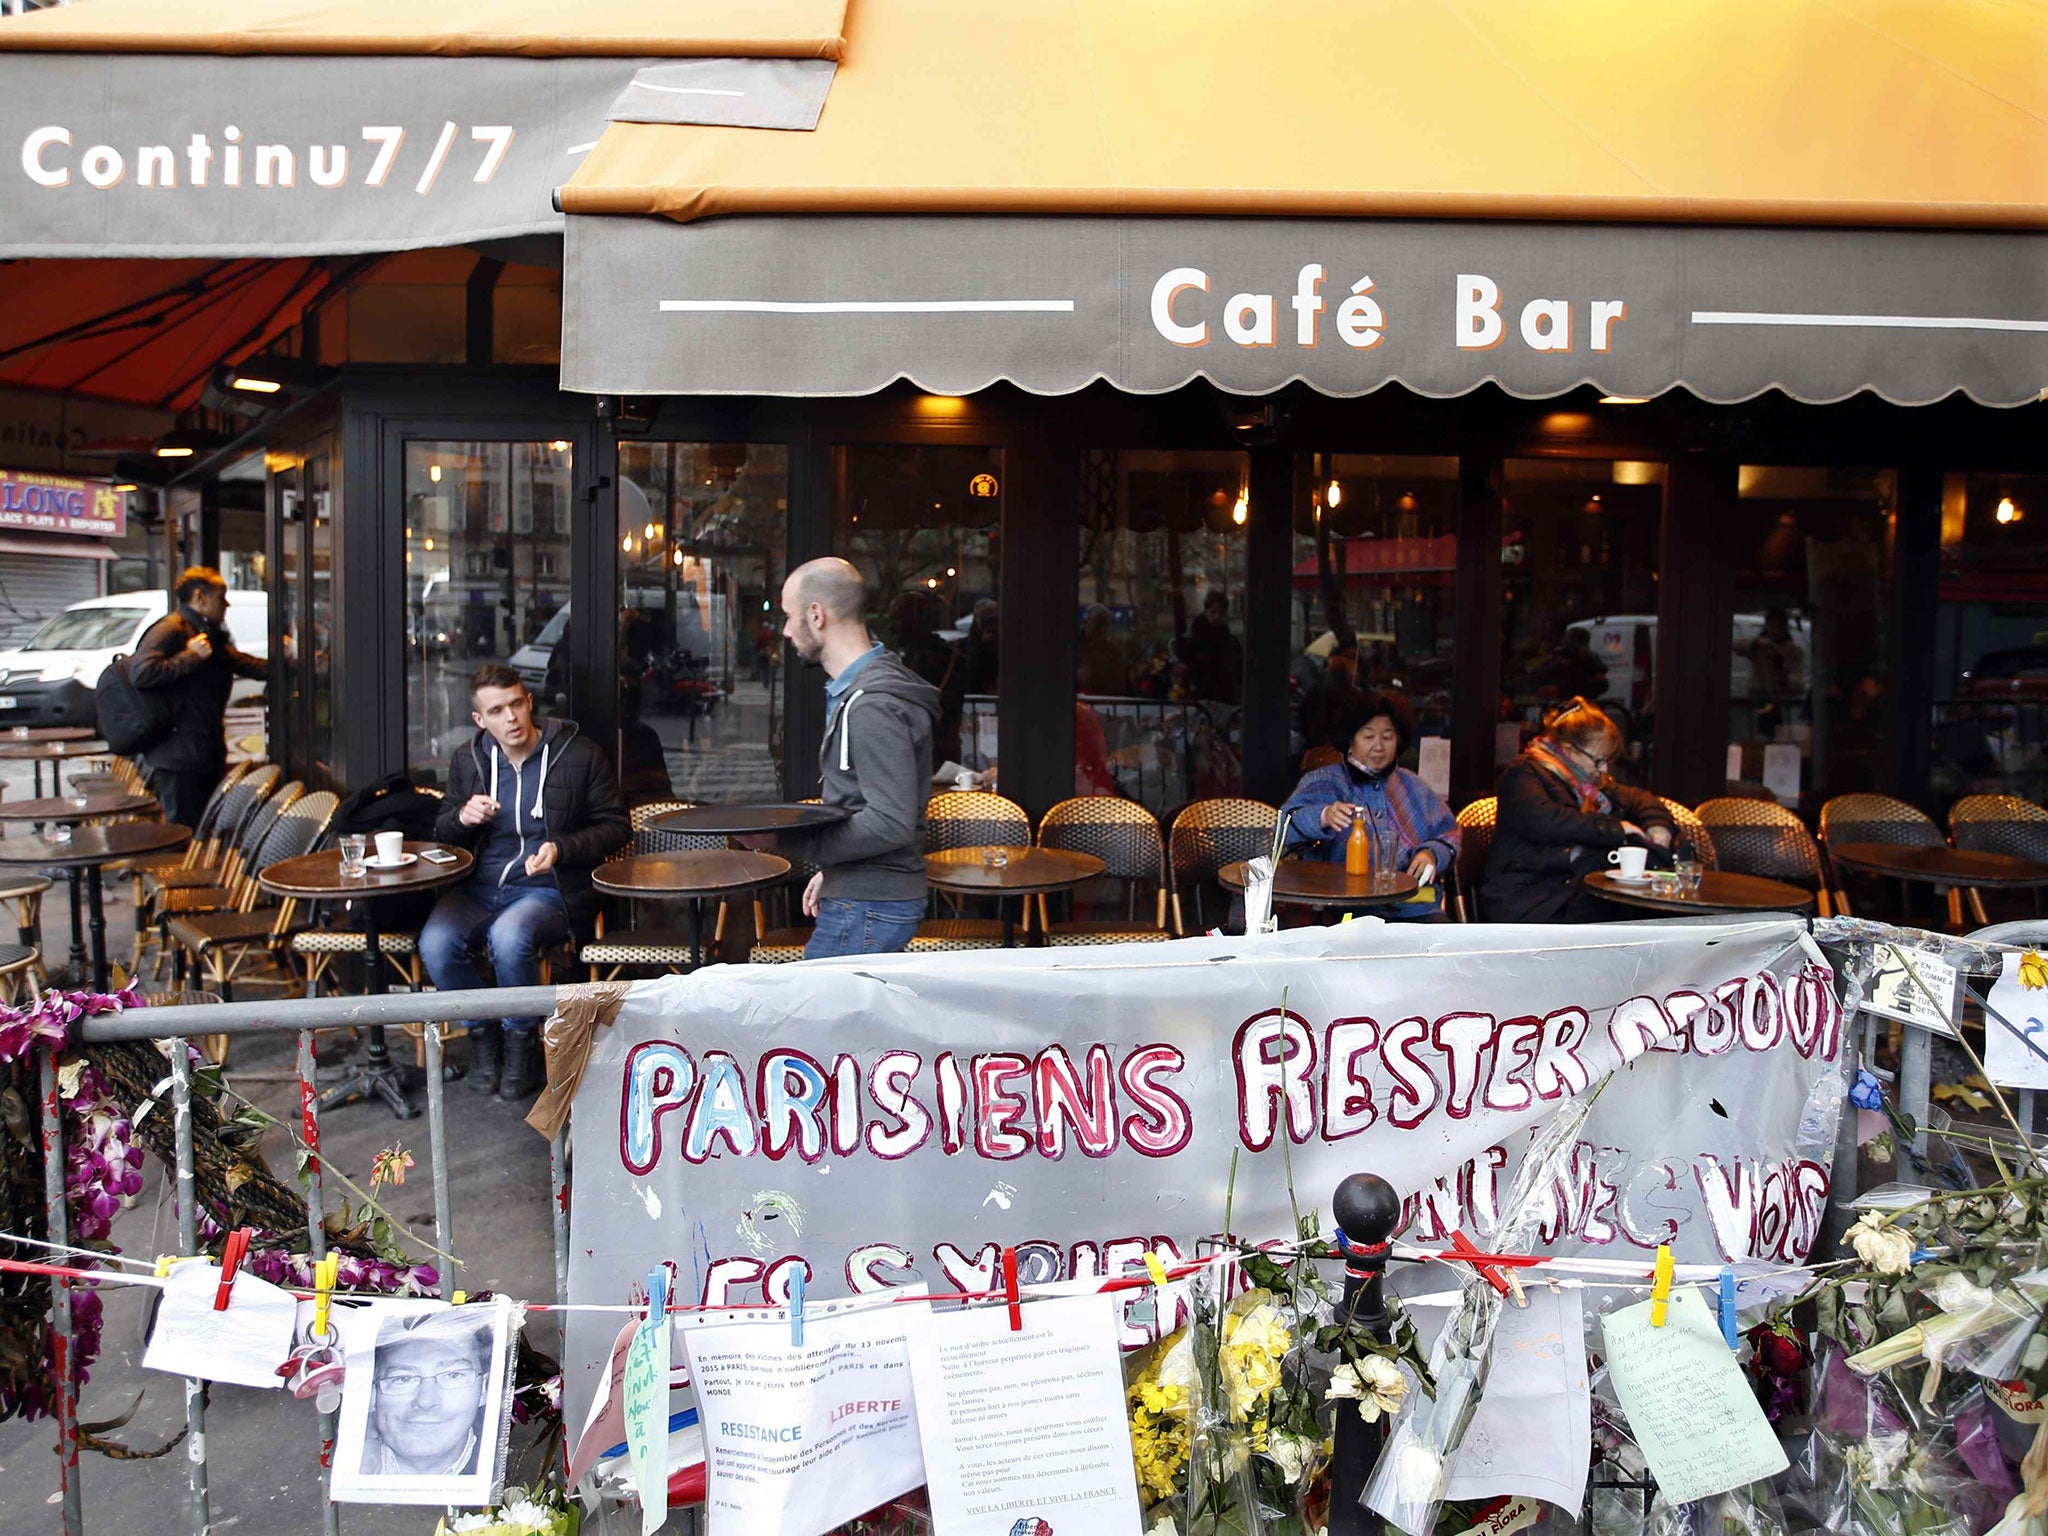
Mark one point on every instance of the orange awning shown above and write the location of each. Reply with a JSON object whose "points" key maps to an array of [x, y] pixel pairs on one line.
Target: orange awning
{"points": [[765, 29], [1831, 112]]}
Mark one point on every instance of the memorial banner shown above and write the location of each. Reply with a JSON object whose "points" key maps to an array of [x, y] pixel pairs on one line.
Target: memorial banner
{"points": [[896, 1120]]}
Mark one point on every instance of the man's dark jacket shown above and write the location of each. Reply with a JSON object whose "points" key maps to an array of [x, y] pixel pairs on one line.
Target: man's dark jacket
{"points": [[197, 689], [580, 808], [1544, 846]]}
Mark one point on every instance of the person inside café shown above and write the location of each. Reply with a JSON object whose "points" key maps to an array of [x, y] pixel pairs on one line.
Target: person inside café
{"points": [[1318, 815], [538, 806], [1560, 814]]}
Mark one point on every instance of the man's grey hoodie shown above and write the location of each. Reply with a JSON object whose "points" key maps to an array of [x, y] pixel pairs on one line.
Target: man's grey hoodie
{"points": [[877, 762]]}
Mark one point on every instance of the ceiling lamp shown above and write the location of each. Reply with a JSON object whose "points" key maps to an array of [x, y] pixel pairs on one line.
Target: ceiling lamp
{"points": [[185, 442], [269, 375], [2007, 511]]}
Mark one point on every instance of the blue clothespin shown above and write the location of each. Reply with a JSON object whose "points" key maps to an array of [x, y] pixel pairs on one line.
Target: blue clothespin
{"points": [[796, 1307], [1728, 1309], [657, 1295]]}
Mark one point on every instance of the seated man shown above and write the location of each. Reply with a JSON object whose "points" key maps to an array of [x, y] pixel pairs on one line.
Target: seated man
{"points": [[537, 804]]}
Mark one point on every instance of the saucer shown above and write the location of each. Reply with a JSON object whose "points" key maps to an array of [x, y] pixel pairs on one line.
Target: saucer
{"points": [[373, 862], [1620, 879]]}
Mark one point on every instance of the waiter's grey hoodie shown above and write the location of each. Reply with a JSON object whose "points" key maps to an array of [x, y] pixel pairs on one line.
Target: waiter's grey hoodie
{"points": [[877, 762]]}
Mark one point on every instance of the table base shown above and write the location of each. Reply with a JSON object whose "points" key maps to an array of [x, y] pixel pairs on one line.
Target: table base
{"points": [[369, 1077]]}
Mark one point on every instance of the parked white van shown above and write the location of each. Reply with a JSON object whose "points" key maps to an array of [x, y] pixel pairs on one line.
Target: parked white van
{"points": [[50, 679]]}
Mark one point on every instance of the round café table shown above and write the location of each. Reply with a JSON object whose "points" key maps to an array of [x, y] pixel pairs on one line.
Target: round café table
{"points": [[54, 750], [1029, 872], [89, 850], [1957, 869], [75, 808], [1720, 891], [1325, 883], [739, 820], [710, 872], [318, 877], [48, 733]]}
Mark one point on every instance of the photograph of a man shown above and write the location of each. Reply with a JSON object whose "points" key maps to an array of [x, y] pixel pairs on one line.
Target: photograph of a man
{"points": [[431, 1385]]}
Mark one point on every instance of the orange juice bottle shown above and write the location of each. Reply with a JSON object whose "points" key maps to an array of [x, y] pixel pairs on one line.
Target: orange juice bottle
{"points": [[1358, 844]]}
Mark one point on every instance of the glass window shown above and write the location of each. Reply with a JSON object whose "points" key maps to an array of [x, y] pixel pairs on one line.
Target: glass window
{"points": [[1374, 590], [924, 524], [1579, 557], [1806, 661], [1991, 640], [701, 537], [1160, 666], [486, 568]]}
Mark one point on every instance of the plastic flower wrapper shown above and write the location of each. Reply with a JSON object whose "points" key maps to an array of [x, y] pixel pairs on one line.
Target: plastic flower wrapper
{"points": [[520, 1514], [1407, 1483], [2005, 1320], [1238, 1352], [1159, 1388]]}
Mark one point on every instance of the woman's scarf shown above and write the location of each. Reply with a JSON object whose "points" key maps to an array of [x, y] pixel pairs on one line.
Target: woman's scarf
{"points": [[1361, 775], [1592, 800]]}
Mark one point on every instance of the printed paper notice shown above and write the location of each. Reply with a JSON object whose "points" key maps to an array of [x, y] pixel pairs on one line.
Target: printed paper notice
{"points": [[1912, 985], [643, 1396], [1533, 1431], [1688, 1405], [1027, 1429], [244, 1344], [2016, 1029], [800, 1440]]}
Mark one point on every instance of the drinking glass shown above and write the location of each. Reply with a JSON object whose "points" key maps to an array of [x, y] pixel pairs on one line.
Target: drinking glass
{"points": [[57, 833], [353, 846], [995, 858], [77, 798], [1689, 873]]}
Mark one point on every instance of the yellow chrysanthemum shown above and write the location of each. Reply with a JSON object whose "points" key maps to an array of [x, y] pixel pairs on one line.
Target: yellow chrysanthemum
{"points": [[2033, 970]]}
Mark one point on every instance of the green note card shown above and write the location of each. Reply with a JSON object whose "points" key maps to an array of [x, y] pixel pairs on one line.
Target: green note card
{"points": [[1688, 1405], [645, 1390]]}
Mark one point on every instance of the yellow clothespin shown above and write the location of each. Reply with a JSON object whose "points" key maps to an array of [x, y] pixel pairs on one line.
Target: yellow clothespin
{"points": [[1155, 1267], [458, 1298], [325, 1273], [1660, 1287], [165, 1262]]}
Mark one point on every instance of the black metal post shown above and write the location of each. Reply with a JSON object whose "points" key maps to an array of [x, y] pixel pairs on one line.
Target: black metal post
{"points": [[1367, 1210]]}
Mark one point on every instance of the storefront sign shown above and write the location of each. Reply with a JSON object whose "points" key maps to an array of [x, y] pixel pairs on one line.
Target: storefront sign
{"points": [[792, 305], [53, 504], [901, 1119], [187, 155]]}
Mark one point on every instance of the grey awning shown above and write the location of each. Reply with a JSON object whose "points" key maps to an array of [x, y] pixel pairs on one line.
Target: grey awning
{"points": [[196, 155], [846, 304]]}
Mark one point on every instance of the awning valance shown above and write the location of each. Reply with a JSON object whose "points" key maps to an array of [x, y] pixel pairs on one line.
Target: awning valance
{"points": [[796, 305]]}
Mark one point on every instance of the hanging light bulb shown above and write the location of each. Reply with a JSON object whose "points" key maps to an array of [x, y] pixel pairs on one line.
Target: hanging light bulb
{"points": [[1334, 496], [2007, 511], [434, 473], [1241, 509], [679, 557], [626, 544], [649, 533]]}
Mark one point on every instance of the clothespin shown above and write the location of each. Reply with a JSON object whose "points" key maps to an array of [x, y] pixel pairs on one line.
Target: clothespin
{"points": [[325, 1273], [1010, 1290], [1155, 1267], [166, 1262], [458, 1298], [1521, 1297], [1728, 1308], [796, 1307], [657, 1295], [231, 1255], [1660, 1287], [1462, 1247]]}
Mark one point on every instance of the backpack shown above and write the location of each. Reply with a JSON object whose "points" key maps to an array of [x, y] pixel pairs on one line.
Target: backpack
{"points": [[392, 804], [131, 719]]}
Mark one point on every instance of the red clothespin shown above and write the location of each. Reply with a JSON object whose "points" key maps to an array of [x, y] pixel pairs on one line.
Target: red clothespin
{"points": [[1462, 1247], [231, 1255], [1010, 1290]]}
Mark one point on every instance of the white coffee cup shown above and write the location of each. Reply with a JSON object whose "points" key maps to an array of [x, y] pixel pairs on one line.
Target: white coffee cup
{"points": [[391, 848], [1629, 863]]}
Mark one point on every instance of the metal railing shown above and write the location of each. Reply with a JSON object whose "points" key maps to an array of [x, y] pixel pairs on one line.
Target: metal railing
{"points": [[176, 1025]]}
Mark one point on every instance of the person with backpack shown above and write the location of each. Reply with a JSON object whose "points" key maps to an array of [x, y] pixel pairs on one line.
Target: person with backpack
{"points": [[188, 659]]}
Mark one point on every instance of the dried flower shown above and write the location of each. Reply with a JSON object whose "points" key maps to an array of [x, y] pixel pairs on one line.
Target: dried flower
{"points": [[1885, 1248], [2033, 970], [390, 1165], [1376, 1382]]}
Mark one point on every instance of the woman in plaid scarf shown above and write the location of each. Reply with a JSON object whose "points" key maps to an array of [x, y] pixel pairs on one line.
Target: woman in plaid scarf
{"points": [[1374, 732]]}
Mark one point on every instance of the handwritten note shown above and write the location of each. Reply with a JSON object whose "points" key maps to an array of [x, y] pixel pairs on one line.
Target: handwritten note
{"points": [[643, 1390], [244, 1345], [799, 1439], [1533, 1430], [2016, 1040], [1688, 1405], [605, 1425], [1027, 1425]]}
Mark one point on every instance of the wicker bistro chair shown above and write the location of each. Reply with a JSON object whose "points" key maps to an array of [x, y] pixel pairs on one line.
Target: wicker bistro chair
{"points": [[1998, 824], [1125, 836], [20, 964], [222, 942], [200, 863], [1693, 832], [606, 954], [1864, 818], [969, 818], [785, 943], [1762, 837], [1475, 824], [191, 895], [1208, 834], [26, 892]]}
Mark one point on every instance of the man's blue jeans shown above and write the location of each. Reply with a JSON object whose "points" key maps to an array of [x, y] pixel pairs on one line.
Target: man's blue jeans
{"points": [[517, 922], [862, 927]]}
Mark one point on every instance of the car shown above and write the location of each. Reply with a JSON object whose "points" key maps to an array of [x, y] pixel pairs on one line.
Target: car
{"points": [[50, 679], [2019, 673]]}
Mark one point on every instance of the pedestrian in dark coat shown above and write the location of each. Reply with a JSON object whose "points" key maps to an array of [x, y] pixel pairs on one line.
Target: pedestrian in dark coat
{"points": [[189, 656]]}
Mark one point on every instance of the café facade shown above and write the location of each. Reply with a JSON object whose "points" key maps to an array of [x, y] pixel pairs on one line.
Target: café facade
{"points": [[1692, 366]]}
